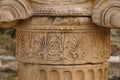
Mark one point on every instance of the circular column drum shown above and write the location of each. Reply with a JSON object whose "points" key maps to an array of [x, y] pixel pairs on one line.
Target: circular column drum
{"points": [[59, 40]]}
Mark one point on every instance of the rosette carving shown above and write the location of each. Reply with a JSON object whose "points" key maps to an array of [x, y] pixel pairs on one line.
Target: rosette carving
{"points": [[107, 13]]}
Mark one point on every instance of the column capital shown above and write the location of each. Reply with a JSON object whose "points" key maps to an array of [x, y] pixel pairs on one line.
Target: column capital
{"points": [[107, 13], [14, 10]]}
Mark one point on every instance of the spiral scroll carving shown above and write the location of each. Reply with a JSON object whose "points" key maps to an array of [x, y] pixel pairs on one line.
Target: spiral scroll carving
{"points": [[12, 10], [107, 13], [60, 42]]}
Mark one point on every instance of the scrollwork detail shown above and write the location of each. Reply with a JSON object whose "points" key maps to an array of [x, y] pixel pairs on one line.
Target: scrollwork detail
{"points": [[60, 47], [107, 13], [14, 10]]}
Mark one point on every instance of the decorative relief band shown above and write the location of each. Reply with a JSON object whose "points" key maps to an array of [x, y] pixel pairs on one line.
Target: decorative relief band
{"points": [[61, 46], [62, 8], [80, 72]]}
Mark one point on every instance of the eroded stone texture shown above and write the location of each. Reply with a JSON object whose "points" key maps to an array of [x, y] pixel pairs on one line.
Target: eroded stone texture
{"points": [[62, 7], [70, 72], [56, 39], [107, 13], [61, 42], [11, 10]]}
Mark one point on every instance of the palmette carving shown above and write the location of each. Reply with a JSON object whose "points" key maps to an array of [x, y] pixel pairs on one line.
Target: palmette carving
{"points": [[59, 47], [56, 46], [23, 44], [47, 46]]}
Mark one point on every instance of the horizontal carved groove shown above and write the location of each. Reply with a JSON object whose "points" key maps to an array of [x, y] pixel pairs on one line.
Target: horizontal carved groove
{"points": [[55, 8]]}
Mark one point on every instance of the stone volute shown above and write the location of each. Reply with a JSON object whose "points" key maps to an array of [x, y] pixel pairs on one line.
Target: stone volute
{"points": [[59, 39]]}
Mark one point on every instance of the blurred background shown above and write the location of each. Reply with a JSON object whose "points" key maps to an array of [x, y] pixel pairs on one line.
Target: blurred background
{"points": [[8, 65]]}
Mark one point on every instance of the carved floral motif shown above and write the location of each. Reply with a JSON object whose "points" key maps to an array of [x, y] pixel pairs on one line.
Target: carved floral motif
{"points": [[61, 47], [55, 46], [61, 41]]}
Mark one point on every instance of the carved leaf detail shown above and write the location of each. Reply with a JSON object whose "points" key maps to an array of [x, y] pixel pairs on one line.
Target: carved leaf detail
{"points": [[48, 46], [45, 43], [21, 43]]}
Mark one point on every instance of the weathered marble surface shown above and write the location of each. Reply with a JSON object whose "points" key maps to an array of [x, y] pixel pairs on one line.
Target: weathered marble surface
{"points": [[50, 40], [107, 13], [60, 36]]}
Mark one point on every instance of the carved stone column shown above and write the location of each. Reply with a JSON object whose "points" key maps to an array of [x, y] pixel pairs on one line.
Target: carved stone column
{"points": [[57, 40], [70, 48]]}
